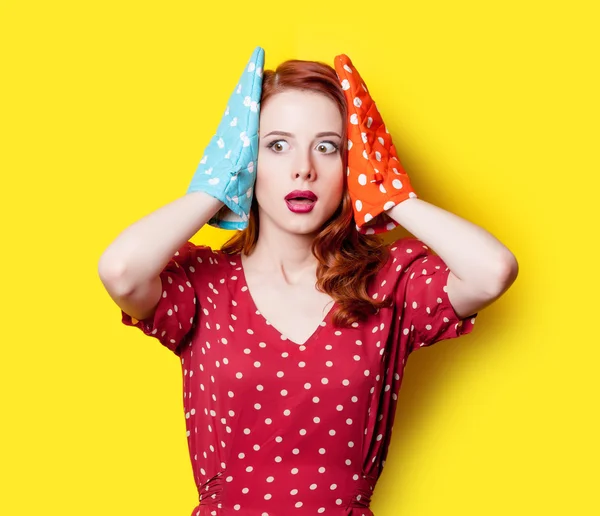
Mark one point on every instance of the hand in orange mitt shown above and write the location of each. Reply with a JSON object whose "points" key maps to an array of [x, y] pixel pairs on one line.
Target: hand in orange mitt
{"points": [[376, 179]]}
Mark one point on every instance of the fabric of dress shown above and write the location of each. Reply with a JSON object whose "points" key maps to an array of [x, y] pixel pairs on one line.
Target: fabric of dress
{"points": [[277, 428]]}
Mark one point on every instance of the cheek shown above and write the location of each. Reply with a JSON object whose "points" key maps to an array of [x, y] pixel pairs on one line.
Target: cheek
{"points": [[339, 180], [262, 172], [269, 182], [265, 166]]}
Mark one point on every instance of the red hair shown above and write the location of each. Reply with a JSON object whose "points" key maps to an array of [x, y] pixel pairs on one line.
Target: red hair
{"points": [[347, 259]]}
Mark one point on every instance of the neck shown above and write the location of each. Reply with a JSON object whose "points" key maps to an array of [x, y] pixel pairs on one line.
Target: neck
{"points": [[284, 254]]}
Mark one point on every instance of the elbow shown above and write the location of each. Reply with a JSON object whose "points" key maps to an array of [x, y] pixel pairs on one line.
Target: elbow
{"points": [[113, 277], [507, 275]]}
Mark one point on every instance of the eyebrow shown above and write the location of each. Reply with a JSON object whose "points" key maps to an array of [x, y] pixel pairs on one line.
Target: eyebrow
{"points": [[319, 135]]}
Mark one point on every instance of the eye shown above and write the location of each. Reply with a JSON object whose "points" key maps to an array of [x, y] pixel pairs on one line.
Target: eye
{"points": [[273, 143], [333, 144], [320, 145]]}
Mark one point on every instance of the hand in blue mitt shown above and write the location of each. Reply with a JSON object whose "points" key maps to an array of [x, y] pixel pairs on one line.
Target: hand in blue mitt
{"points": [[227, 171]]}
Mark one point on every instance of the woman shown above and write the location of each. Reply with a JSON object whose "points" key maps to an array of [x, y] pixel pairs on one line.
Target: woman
{"points": [[293, 337]]}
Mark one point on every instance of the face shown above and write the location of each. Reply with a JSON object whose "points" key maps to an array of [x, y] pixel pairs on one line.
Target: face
{"points": [[307, 159]]}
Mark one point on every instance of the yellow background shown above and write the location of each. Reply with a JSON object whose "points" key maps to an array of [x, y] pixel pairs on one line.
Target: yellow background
{"points": [[106, 108]]}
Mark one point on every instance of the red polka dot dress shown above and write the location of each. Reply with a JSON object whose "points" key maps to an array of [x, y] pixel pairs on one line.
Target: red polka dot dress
{"points": [[276, 428]]}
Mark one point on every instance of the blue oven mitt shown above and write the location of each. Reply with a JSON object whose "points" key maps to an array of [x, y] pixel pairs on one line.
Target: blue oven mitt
{"points": [[227, 171]]}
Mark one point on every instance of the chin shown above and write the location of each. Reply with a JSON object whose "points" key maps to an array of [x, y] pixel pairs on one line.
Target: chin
{"points": [[303, 227]]}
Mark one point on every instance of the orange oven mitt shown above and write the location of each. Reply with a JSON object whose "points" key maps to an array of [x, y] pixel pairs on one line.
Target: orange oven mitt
{"points": [[376, 179]]}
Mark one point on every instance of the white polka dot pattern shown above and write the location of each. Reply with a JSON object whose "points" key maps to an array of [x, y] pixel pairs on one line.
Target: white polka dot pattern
{"points": [[428, 314], [376, 179], [226, 170], [275, 427], [176, 312]]}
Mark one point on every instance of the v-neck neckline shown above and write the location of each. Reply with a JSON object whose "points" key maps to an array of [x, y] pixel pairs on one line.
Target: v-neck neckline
{"points": [[282, 336]]}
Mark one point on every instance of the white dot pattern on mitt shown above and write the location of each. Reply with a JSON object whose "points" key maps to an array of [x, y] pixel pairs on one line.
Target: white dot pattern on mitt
{"points": [[376, 179], [226, 170]]}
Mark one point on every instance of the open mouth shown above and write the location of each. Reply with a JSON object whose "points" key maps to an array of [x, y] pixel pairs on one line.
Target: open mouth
{"points": [[300, 200], [300, 205]]}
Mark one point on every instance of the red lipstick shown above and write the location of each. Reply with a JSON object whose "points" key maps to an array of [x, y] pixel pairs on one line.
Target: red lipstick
{"points": [[301, 201]]}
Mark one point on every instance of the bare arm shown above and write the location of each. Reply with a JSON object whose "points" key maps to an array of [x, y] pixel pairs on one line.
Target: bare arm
{"points": [[131, 265], [481, 267]]}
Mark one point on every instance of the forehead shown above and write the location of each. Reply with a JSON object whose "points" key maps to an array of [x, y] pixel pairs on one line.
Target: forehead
{"points": [[300, 109]]}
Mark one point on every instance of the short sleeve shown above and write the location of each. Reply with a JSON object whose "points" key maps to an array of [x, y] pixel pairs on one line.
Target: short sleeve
{"points": [[176, 312], [422, 296]]}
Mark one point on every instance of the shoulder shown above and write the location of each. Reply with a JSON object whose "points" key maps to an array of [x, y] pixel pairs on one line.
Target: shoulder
{"points": [[405, 252], [190, 253], [200, 263], [409, 262], [403, 257]]}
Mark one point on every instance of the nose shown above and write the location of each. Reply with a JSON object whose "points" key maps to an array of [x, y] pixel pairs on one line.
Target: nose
{"points": [[304, 169], [304, 175]]}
